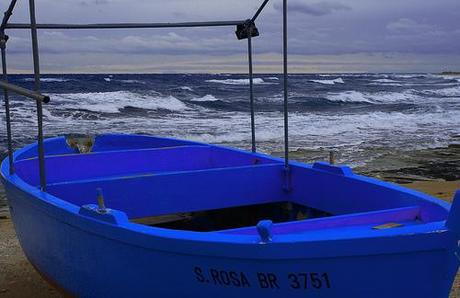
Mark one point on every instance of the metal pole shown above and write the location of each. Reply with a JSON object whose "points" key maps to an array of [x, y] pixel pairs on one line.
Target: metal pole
{"points": [[3, 40], [41, 149], [25, 92], [285, 72], [256, 15], [251, 92]]}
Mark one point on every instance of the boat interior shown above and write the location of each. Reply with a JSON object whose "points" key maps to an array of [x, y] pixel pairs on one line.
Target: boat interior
{"points": [[190, 186]]}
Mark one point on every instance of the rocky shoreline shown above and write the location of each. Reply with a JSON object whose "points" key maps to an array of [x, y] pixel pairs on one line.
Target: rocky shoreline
{"points": [[422, 165]]}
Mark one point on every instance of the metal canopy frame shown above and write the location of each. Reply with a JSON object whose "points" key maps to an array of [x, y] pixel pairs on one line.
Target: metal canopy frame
{"points": [[246, 29]]}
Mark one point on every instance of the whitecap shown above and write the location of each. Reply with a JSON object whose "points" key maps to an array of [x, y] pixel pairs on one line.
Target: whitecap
{"points": [[186, 88], [208, 97], [131, 81], [447, 92], [114, 102], [385, 81], [47, 80], [238, 81], [374, 98], [329, 82], [410, 76]]}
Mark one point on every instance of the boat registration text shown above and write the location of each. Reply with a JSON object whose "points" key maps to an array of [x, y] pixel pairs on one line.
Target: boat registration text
{"points": [[263, 280]]}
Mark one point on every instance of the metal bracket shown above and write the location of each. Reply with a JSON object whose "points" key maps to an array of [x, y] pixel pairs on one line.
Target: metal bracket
{"points": [[247, 28]]}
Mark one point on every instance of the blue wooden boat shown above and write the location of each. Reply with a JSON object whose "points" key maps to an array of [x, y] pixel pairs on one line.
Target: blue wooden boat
{"points": [[133, 216], [343, 235]]}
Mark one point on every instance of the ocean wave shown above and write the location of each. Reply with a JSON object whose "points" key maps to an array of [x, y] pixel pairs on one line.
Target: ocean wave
{"points": [[329, 82], [373, 98], [448, 77], [186, 88], [114, 102], [48, 80], [204, 98], [256, 81], [411, 76], [331, 129], [385, 81], [446, 92], [131, 81]]}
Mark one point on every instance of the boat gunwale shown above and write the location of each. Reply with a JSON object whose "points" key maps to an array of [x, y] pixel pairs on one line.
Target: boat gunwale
{"points": [[423, 196]]}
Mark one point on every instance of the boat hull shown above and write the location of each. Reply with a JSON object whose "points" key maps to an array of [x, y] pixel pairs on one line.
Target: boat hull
{"points": [[80, 258]]}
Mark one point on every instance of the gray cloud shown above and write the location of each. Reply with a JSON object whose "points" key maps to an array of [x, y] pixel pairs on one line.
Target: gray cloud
{"points": [[366, 28], [408, 25], [314, 9]]}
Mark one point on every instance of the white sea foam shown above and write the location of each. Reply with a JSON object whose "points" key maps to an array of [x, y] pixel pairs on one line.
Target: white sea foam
{"points": [[309, 129], [107, 79], [131, 81], [329, 82], [385, 81], [186, 88], [448, 77], [410, 76], [48, 80], [205, 98], [113, 102], [447, 92], [374, 98], [256, 81]]}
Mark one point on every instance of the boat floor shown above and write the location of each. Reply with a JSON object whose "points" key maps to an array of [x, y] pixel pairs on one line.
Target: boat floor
{"points": [[288, 218], [233, 217]]}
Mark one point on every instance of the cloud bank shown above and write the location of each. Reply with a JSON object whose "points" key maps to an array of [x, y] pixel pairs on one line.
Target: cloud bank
{"points": [[326, 36]]}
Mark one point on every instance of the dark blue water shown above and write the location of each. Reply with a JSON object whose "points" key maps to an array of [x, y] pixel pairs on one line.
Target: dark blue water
{"points": [[361, 115]]}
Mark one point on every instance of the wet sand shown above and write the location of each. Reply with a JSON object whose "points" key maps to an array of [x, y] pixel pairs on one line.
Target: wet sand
{"points": [[19, 279]]}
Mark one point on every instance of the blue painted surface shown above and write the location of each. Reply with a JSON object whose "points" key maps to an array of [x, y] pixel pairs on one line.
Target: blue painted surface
{"points": [[107, 255]]}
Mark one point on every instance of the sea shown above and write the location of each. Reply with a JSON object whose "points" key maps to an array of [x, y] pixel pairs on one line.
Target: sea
{"points": [[359, 116]]}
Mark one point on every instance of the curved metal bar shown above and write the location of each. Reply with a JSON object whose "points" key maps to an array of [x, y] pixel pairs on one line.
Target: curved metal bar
{"points": [[33, 26], [8, 14]]}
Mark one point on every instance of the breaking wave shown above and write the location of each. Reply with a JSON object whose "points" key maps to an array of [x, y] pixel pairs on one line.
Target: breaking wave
{"points": [[447, 92], [373, 98], [329, 82], [204, 98], [256, 81], [114, 102], [186, 88], [48, 80], [385, 81], [131, 81]]}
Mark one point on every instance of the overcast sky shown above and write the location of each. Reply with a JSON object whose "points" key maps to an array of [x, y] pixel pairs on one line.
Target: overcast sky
{"points": [[324, 36]]}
